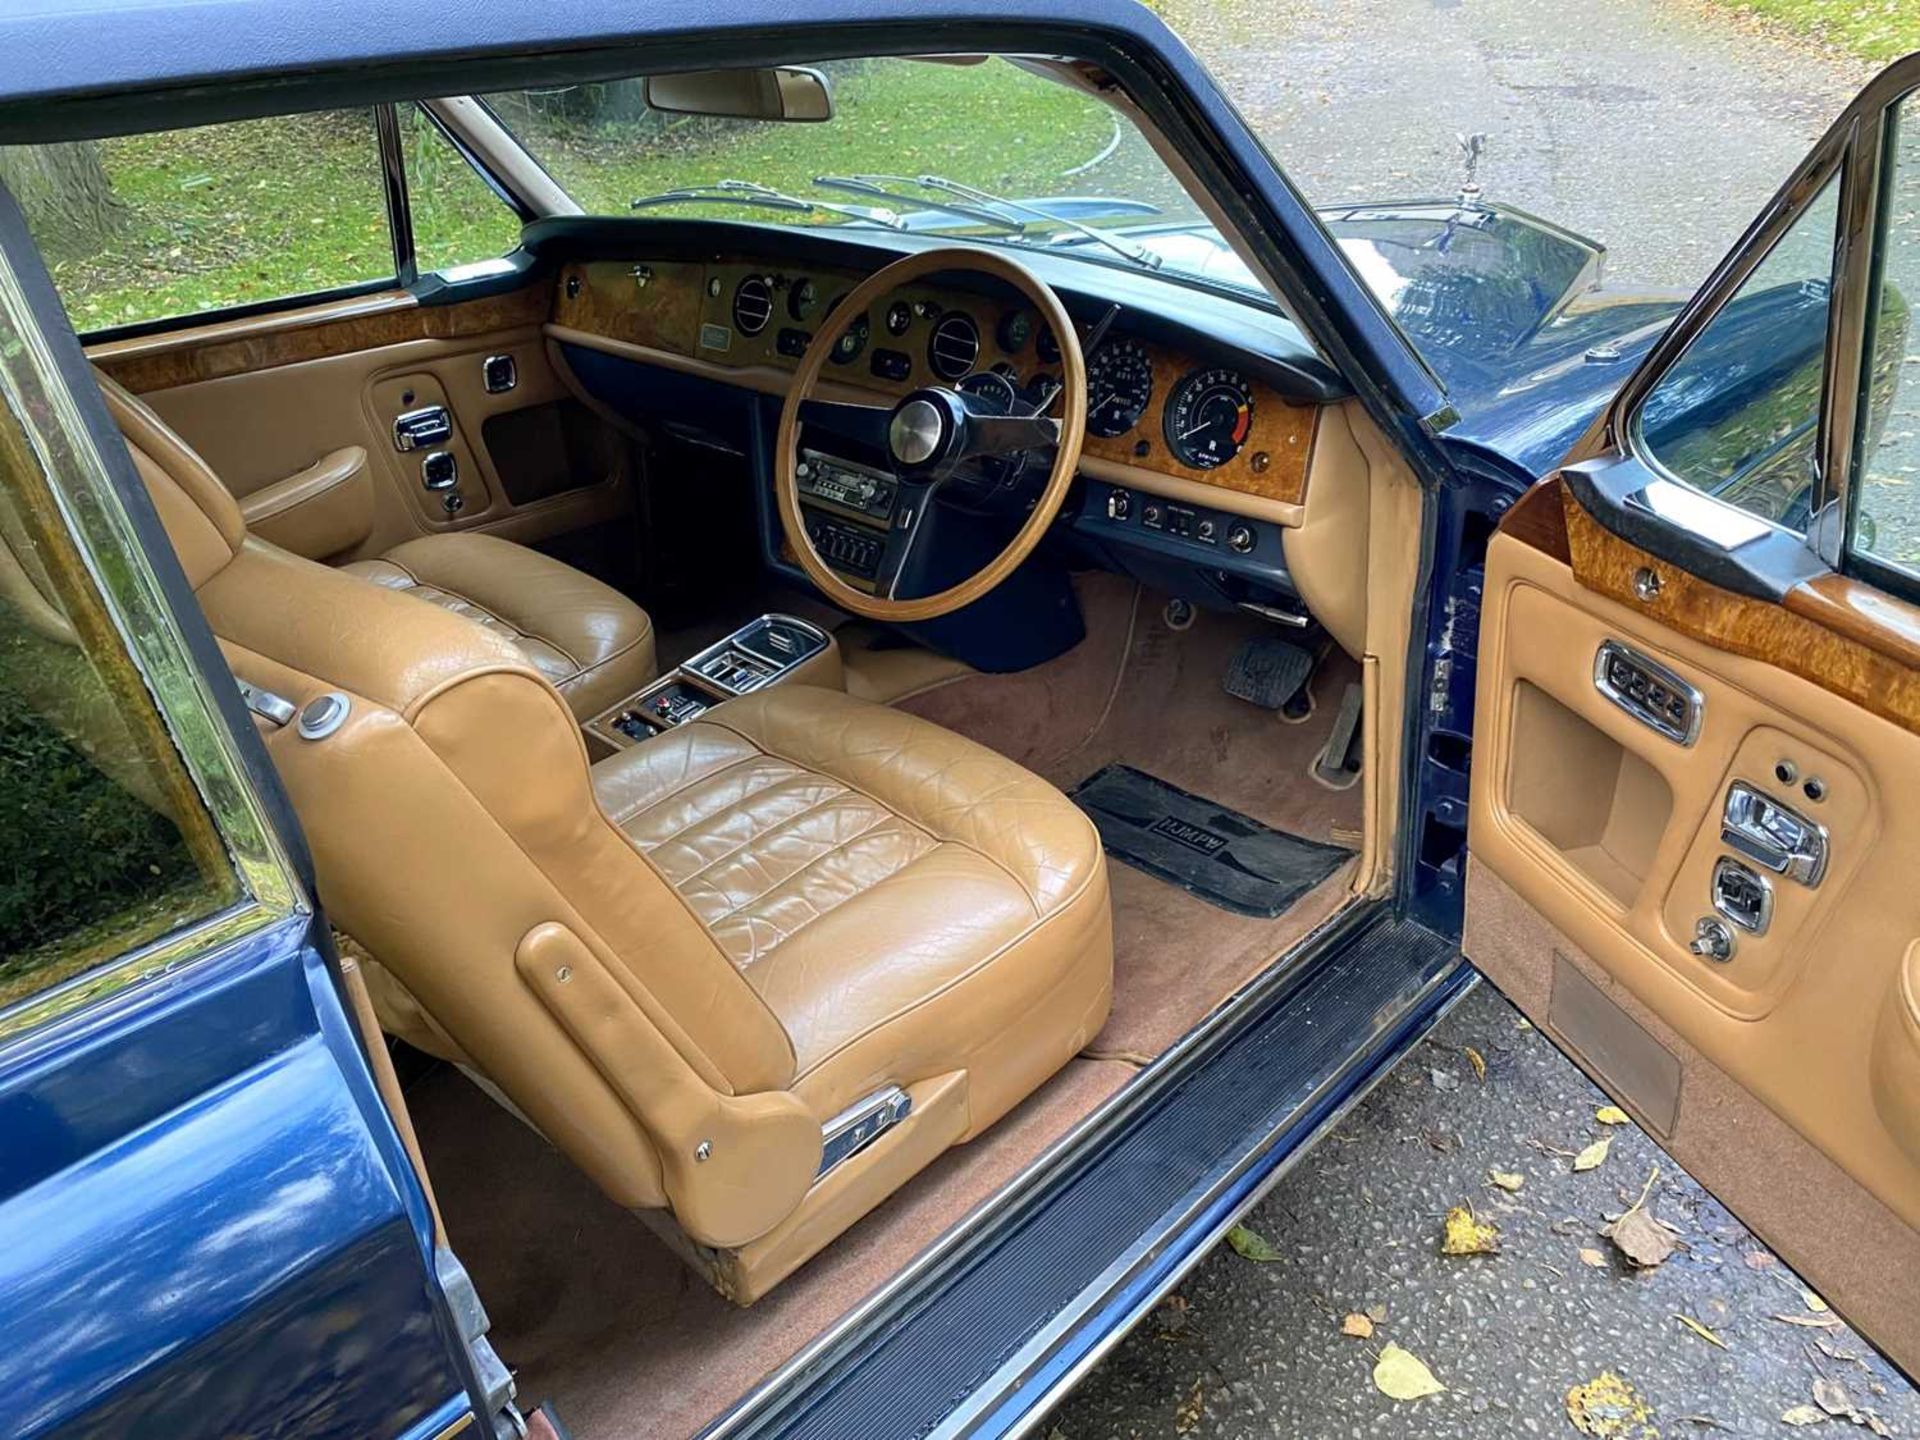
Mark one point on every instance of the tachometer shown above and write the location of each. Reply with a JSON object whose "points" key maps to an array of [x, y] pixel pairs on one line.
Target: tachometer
{"points": [[1209, 415], [1119, 386]]}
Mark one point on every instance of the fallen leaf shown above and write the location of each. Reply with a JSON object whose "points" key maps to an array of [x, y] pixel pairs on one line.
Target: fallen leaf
{"points": [[1831, 1396], [1811, 1322], [1401, 1375], [1441, 1141], [1804, 1415], [1612, 1115], [1641, 1238], [1877, 1425], [1252, 1245], [1466, 1235], [1507, 1180], [1477, 1061], [1757, 1259], [1702, 1331], [1814, 1302], [1357, 1325], [1593, 1258], [1377, 1314], [1608, 1406], [1187, 1415], [1593, 1156]]}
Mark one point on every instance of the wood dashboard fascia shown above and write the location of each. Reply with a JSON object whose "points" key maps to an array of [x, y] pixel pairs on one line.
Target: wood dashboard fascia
{"points": [[654, 312]]}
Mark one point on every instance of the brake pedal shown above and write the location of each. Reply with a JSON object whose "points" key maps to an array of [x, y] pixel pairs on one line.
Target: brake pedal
{"points": [[1271, 673]]}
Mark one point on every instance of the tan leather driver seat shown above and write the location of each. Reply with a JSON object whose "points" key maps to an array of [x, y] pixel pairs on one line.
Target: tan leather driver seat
{"points": [[682, 963]]}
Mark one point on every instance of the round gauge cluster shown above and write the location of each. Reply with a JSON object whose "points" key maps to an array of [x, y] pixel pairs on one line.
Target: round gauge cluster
{"points": [[1208, 417], [1119, 387]]}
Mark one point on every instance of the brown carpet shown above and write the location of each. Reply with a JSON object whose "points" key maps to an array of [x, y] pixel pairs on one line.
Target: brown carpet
{"points": [[1136, 691], [594, 1313]]}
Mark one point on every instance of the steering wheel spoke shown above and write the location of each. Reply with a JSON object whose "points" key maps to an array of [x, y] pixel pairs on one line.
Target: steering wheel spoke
{"points": [[991, 434]]}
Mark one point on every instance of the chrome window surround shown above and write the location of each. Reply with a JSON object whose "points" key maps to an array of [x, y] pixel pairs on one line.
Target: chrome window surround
{"points": [[1852, 149], [38, 401]]}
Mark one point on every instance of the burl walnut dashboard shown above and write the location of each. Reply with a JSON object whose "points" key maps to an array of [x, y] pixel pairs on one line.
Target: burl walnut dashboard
{"points": [[1152, 410]]}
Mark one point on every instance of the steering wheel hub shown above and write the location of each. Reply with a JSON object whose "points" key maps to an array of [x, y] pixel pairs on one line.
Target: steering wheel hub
{"points": [[921, 431]]}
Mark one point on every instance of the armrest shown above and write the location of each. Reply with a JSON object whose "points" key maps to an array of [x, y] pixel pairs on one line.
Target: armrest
{"points": [[319, 511]]}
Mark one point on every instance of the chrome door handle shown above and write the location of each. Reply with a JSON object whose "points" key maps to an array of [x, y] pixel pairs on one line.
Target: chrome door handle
{"points": [[415, 429], [1774, 836]]}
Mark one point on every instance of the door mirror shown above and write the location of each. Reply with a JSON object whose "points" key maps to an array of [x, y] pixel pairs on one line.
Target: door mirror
{"points": [[779, 92]]}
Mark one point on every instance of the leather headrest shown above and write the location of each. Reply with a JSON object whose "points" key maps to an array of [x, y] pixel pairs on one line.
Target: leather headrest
{"points": [[201, 517]]}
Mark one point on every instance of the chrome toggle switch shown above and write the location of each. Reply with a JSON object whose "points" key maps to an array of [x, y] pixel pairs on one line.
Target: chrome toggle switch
{"points": [[1713, 940]]}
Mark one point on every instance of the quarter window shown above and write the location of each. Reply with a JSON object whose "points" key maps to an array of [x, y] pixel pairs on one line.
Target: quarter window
{"points": [[457, 218], [1738, 415]]}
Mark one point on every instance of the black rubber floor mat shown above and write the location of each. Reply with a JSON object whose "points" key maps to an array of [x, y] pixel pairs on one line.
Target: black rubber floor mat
{"points": [[1213, 852]]}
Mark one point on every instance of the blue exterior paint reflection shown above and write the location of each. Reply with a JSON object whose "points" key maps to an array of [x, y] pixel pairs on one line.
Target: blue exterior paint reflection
{"points": [[211, 1226]]}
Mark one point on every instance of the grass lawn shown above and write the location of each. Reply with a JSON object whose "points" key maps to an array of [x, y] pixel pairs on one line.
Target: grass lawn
{"points": [[1873, 29], [234, 214]]}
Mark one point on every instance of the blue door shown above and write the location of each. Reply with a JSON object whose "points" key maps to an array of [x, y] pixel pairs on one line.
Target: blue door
{"points": [[209, 1223]]}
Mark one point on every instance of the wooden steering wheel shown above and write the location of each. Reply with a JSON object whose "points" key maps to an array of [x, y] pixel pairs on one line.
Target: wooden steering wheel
{"points": [[925, 436]]}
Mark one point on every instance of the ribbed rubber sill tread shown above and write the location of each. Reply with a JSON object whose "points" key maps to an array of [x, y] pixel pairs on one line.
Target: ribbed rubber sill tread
{"points": [[1273, 1076]]}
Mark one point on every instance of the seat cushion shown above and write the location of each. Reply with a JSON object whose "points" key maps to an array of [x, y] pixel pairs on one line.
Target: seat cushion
{"points": [[908, 903], [593, 643]]}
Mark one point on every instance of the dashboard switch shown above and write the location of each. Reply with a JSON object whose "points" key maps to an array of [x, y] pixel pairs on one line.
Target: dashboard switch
{"points": [[1119, 505], [1240, 537]]}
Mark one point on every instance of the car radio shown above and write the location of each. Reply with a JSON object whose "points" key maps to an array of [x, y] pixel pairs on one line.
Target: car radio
{"points": [[846, 485]]}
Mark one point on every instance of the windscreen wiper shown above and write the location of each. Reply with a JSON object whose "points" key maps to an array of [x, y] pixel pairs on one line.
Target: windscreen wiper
{"points": [[763, 197], [986, 202], [876, 186]]}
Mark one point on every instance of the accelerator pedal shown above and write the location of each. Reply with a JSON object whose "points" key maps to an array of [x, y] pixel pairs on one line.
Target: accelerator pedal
{"points": [[1337, 766], [1271, 673]]}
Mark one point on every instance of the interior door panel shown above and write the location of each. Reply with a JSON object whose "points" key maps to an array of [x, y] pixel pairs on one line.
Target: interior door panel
{"points": [[266, 403], [1787, 1076]]}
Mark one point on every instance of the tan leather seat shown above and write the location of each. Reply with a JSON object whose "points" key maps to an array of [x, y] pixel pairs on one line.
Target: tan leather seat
{"points": [[593, 643], [681, 963]]}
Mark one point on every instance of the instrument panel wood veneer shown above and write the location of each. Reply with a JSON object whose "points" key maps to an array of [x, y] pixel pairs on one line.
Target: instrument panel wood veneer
{"points": [[239, 347], [669, 313], [1830, 653]]}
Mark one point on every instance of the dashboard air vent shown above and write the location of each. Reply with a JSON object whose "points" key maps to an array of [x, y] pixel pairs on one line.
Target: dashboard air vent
{"points": [[752, 305], [954, 347]]}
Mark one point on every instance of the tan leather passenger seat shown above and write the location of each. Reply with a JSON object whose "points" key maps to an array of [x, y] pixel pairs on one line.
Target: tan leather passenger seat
{"points": [[593, 643], [682, 964]]}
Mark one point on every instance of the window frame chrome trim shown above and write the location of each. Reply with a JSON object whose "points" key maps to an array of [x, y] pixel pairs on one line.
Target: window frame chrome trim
{"points": [[1851, 153], [393, 180], [37, 398]]}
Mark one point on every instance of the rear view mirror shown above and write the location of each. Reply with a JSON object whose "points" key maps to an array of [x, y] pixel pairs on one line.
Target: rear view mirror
{"points": [[780, 92]]}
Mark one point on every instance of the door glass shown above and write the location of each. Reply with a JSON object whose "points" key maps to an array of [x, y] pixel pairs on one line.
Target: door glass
{"points": [[1887, 459], [1738, 415], [138, 228], [104, 845], [457, 219]]}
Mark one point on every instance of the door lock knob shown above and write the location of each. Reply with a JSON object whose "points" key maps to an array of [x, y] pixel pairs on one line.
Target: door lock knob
{"points": [[1712, 940]]}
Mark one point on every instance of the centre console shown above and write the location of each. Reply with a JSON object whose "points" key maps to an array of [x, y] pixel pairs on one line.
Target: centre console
{"points": [[763, 652]]}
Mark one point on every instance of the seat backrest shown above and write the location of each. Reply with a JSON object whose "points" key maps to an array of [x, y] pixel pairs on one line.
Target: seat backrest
{"points": [[452, 820]]}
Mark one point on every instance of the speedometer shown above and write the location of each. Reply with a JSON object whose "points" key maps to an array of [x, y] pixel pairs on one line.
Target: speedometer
{"points": [[1119, 385], [1209, 416]]}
